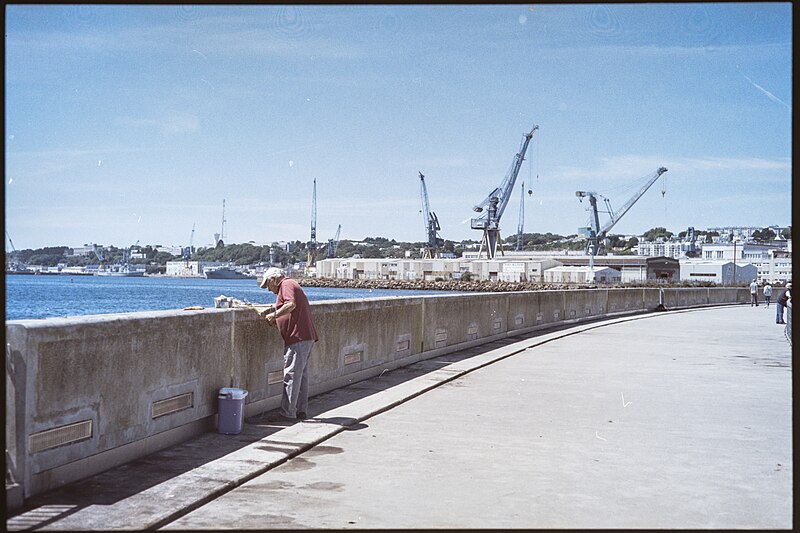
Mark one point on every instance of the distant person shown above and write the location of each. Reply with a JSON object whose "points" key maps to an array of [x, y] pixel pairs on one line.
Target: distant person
{"points": [[767, 293], [753, 293], [292, 316], [781, 302]]}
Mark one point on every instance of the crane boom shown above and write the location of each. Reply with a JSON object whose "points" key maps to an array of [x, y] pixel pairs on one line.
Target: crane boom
{"points": [[624, 209], [596, 234], [493, 206], [521, 224]]}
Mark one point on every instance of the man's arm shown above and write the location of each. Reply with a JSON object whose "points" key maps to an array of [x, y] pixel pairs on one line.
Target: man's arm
{"points": [[285, 309]]}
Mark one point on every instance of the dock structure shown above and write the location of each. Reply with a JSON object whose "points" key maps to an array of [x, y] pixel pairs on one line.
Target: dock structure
{"points": [[659, 431], [675, 419]]}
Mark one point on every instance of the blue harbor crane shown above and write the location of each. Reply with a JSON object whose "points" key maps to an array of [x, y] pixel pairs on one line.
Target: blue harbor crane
{"points": [[333, 243], [691, 238], [596, 236], [433, 242], [493, 206]]}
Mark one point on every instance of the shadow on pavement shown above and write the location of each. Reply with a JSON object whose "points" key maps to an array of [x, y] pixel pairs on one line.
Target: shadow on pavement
{"points": [[132, 478]]}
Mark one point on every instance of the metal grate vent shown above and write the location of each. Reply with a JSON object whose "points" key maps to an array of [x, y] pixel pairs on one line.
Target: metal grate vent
{"points": [[403, 345], [497, 324], [275, 377], [173, 405], [53, 438]]}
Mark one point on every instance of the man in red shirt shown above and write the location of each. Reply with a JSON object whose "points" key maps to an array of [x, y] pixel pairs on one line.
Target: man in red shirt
{"points": [[292, 316]]}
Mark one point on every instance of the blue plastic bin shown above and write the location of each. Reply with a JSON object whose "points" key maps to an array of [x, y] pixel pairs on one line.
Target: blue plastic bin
{"points": [[231, 410]]}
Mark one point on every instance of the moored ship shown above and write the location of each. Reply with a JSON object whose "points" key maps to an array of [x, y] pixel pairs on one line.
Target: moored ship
{"points": [[228, 272], [120, 271]]}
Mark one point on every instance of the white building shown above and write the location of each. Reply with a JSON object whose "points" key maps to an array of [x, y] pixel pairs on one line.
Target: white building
{"points": [[582, 274], [675, 249], [433, 269], [720, 272], [774, 264]]}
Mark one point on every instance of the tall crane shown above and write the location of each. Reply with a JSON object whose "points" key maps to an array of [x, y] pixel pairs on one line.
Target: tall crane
{"points": [[187, 252], [12, 261], [492, 206], [596, 235], [433, 242], [692, 239], [521, 224], [334, 243], [312, 245]]}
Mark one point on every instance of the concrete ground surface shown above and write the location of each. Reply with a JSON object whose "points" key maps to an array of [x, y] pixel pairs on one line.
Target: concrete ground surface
{"points": [[678, 419]]}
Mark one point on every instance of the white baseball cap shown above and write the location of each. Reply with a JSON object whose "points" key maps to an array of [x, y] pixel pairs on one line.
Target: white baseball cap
{"points": [[270, 273]]}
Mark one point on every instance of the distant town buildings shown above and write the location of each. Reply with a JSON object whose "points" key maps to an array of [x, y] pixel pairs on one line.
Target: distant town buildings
{"points": [[730, 257]]}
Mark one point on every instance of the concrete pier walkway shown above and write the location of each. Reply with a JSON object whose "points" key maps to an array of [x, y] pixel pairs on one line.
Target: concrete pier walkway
{"points": [[679, 419]]}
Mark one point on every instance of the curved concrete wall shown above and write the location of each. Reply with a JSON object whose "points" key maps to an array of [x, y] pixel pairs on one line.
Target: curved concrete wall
{"points": [[85, 394]]}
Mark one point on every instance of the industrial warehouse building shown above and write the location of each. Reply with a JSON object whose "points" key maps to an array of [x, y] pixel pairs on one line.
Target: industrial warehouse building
{"points": [[512, 268], [720, 272]]}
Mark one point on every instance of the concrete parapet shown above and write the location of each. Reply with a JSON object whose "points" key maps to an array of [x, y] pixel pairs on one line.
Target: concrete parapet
{"points": [[85, 394]]}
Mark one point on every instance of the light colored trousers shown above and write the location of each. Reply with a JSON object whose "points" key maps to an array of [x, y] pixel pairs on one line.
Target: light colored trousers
{"points": [[295, 378]]}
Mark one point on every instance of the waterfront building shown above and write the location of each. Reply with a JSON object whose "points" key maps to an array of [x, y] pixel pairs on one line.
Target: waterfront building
{"points": [[582, 274], [436, 269], [721, 272], [191, 269]]}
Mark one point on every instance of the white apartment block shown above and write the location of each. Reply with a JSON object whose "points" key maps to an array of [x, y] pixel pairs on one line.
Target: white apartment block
{"points": [[773, 264], [674, 249]]}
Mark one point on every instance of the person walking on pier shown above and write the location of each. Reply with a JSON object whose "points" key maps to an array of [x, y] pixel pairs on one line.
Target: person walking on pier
{"points": [[292, 316], [781, 302], [753, 293], [767, 293]]}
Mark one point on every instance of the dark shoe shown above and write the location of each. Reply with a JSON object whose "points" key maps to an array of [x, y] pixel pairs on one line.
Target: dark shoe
{"points": [[302, 415]]}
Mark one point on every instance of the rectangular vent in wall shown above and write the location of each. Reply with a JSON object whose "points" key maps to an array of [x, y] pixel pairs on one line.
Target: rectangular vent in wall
{"points": [[351, 358], [275, 377], [403, 345], [53, 438], [173, 405]]}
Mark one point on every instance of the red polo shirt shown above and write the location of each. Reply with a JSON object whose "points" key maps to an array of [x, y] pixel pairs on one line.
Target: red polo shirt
{"points": [[296, 326]]}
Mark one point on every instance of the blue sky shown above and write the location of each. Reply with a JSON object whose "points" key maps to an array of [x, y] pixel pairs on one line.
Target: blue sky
{"points": [[134, 123]]}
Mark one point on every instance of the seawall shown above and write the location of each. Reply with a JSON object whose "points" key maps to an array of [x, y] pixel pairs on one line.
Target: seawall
{"points": [[84, 394]]}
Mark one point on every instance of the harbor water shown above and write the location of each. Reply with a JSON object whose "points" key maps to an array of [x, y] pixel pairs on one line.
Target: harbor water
{"points": [[58, 296]]}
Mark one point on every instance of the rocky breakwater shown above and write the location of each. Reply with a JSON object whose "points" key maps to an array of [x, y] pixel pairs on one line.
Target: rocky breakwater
{"points": [[448, 285]]}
